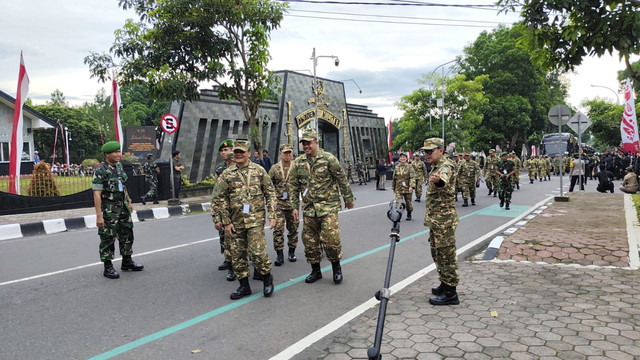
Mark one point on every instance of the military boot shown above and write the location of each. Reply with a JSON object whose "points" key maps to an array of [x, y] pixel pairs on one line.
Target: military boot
{"points": [[466, 203], [490, 191], [109, 271], [128, 264], [518, 186], [449, 296], [243, 290], [495, 193], [224, 266], [268, 284], [438, 290], [408, 215], [257, 275], [507, 206], [143, 198], [315, 275], [155, 199], [337, 272], [279, 258], [473, 201], [292, 255], [231, 275]]}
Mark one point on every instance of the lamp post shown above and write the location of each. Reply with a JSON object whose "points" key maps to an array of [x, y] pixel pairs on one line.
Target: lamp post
{"points": [[66, 132], [354, 83], [315, 58], [608, 88], [443, 89]]}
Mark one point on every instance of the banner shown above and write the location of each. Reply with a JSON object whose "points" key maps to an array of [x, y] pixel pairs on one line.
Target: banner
{"points": [[629, 124], [116, 102], [15, 152], [534, 151]]}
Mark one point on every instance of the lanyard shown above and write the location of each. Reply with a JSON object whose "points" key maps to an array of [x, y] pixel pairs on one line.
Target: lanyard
{"points": [[285, 178], [248, 182]]}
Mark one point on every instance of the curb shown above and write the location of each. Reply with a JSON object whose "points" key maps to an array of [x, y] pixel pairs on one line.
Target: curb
{"points": [[53, 226]]}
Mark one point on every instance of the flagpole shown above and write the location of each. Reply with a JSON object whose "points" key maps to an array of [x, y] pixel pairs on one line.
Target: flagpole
{"points": [[15, 153]]}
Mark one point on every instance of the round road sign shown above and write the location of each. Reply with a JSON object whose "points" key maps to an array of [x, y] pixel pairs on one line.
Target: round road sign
{"points": [[169, 123]]}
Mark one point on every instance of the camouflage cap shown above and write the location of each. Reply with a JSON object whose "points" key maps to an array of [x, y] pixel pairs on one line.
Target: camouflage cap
{"points": [[286, 148], [242, 145], [432, 143], [492, 151], [512, 152], [224, 144], [403, 154], [309, 135], [110, 147]]}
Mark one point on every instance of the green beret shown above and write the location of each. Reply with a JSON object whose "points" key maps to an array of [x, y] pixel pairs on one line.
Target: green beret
{"points": [[226, 143], [110, 147]]}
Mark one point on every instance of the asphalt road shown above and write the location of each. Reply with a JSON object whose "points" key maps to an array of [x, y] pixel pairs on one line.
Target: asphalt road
{"points": [[57, 305]]}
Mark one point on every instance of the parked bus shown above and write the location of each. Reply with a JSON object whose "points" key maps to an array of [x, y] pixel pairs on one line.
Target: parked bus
{"points": [[558, 143]]}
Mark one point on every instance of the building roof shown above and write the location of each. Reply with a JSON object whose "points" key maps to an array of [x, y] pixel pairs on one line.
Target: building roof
{"points": [[10, 101]]}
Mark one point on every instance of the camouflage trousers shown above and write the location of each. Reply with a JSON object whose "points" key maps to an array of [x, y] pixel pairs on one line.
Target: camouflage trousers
{"points": [[515, 178], [468, 189], [321, 233], [153, 188], [249, 243], [116, 226], [492, 182], [505, 190], [533, 174], [285, 217], [224, 246], [442, 243], [407, 200], [417, 188]]}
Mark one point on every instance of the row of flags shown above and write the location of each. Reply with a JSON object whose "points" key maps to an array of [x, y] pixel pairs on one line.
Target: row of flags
{"points": [[16, 146]]}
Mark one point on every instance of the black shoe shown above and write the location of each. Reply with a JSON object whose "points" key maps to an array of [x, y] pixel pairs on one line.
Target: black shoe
{"points": [[408, 215], [507, 207], [143, 198], [156, 201], [231, 275], [449, 296], [315, 275], [494, 194], [456, 197], [242, 291], [501, 203], [110, 272], [489, 194], [473, 202], [292, 255], [438, 290], [224, 266], [466, 203], [128, 264], [417, 200], [268, 285], [279, 258], [337, 272], [257, 275], [530, 181]]}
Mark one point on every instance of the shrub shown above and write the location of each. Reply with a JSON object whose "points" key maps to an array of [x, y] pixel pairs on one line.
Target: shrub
{"points": [[42, 183]]}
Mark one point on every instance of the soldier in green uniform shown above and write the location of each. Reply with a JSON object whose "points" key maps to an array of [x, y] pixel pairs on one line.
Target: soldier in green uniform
{"points": [[469, 179], [529, 164], [517, 165], [240, 196], [489, 172], [113, 211], [279, 174], [151, 171], [547, 168], [421, 174], [456, 163], [505, 170], [404, 177], [226, 153], [442, 219], [318, 178]]}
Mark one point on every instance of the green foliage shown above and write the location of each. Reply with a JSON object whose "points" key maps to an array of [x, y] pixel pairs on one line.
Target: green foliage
{"points": [[624, 75], [560, 33], [605, 122], [90, 163], [42, 183], [208, 181], [58, 99]]}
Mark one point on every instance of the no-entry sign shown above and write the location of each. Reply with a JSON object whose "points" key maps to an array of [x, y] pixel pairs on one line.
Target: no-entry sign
{"points": [[169, 123]]}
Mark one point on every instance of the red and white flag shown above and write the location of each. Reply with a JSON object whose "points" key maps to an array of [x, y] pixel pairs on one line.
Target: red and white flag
{"points": [[389, 143], [116, 102], [534, 150], [15, 152], [629, 124]]}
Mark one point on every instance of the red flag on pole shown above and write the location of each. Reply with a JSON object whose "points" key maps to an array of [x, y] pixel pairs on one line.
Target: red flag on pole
{"points": [[15, 153], [629, 123], [389, 143], [116, 102]]}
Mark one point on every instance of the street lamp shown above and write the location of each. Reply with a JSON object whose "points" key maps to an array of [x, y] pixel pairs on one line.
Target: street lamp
{"points": [[354, 83], [315, 58], [443, 84], [66, 131], [608, 88]]}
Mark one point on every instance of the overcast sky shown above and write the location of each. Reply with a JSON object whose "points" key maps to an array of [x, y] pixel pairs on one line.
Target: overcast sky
{"points": [[384, 58]]}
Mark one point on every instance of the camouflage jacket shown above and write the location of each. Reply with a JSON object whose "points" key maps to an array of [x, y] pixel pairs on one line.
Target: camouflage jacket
{"points": [[320, 181], [441, 208], [220, 168], [403, 177], [420, 169], [518, 164], [279, 175], [112, 181], [490, 165], [239, 188], [469, 172], [506, 166], [149, 169]]}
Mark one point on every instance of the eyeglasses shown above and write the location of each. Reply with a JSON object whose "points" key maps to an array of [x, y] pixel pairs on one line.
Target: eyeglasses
{"points": [[430, 151]]}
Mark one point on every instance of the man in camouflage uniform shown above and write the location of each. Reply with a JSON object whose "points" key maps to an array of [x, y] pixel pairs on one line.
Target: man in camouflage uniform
{"points": [[404, 177], [279, 174], [226, 154], [240, 196], [318, 178], [113, 211], [456, 163], [517, 165], [360, 171], [489, 172], [547, 168], [556, 165], [151, 171], [531, 166], [469, 179], [442, 219], [420, 170], [505, 170]]}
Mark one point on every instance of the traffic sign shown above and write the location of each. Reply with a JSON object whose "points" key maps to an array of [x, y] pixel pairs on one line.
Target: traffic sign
{"points": [[579, 123], [169, 123], [559, 115]]}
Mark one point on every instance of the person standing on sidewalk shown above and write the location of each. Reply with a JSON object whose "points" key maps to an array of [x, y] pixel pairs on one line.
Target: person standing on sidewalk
{"points": [[404, 176], [420, 170], [576, 172], [279, 174], [225, 149], [177, 174], [151, 171], [318, 178], [442, 219], [240, 196], [113, 211]]}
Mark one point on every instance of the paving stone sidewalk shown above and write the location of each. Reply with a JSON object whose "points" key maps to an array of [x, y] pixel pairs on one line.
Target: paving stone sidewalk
{"points": [[559, 307]]}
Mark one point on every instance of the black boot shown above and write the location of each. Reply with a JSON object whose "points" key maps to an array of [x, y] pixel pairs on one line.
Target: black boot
{"points": [[315, 275], [155, 199], [490, 191], [231, 275], [466, 203], [257, 275], [337, 272], [292, 255], [408, 215], [128, 264], [279, 258], [456, 197], [243, 290], [507, 207], [530, 181], [143, 198], [438, 290], [518, 186], [473, 202], [109, 271], [449, 296], [268, 284], [224, 266]]}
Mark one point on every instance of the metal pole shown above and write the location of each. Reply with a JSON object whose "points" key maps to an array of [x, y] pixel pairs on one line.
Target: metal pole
{"points": [[173, 195], [443, 142], [561, 162], [315, 91], [580, 151]]}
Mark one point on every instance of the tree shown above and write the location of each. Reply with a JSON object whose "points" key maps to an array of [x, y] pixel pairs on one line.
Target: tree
{"points": [[605, 122], [177, 44], [560, 33], [58, 99]]}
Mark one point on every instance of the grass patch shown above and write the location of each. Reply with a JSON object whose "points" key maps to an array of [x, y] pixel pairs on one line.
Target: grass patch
{"points": [[636, 203], [66, 184]]}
